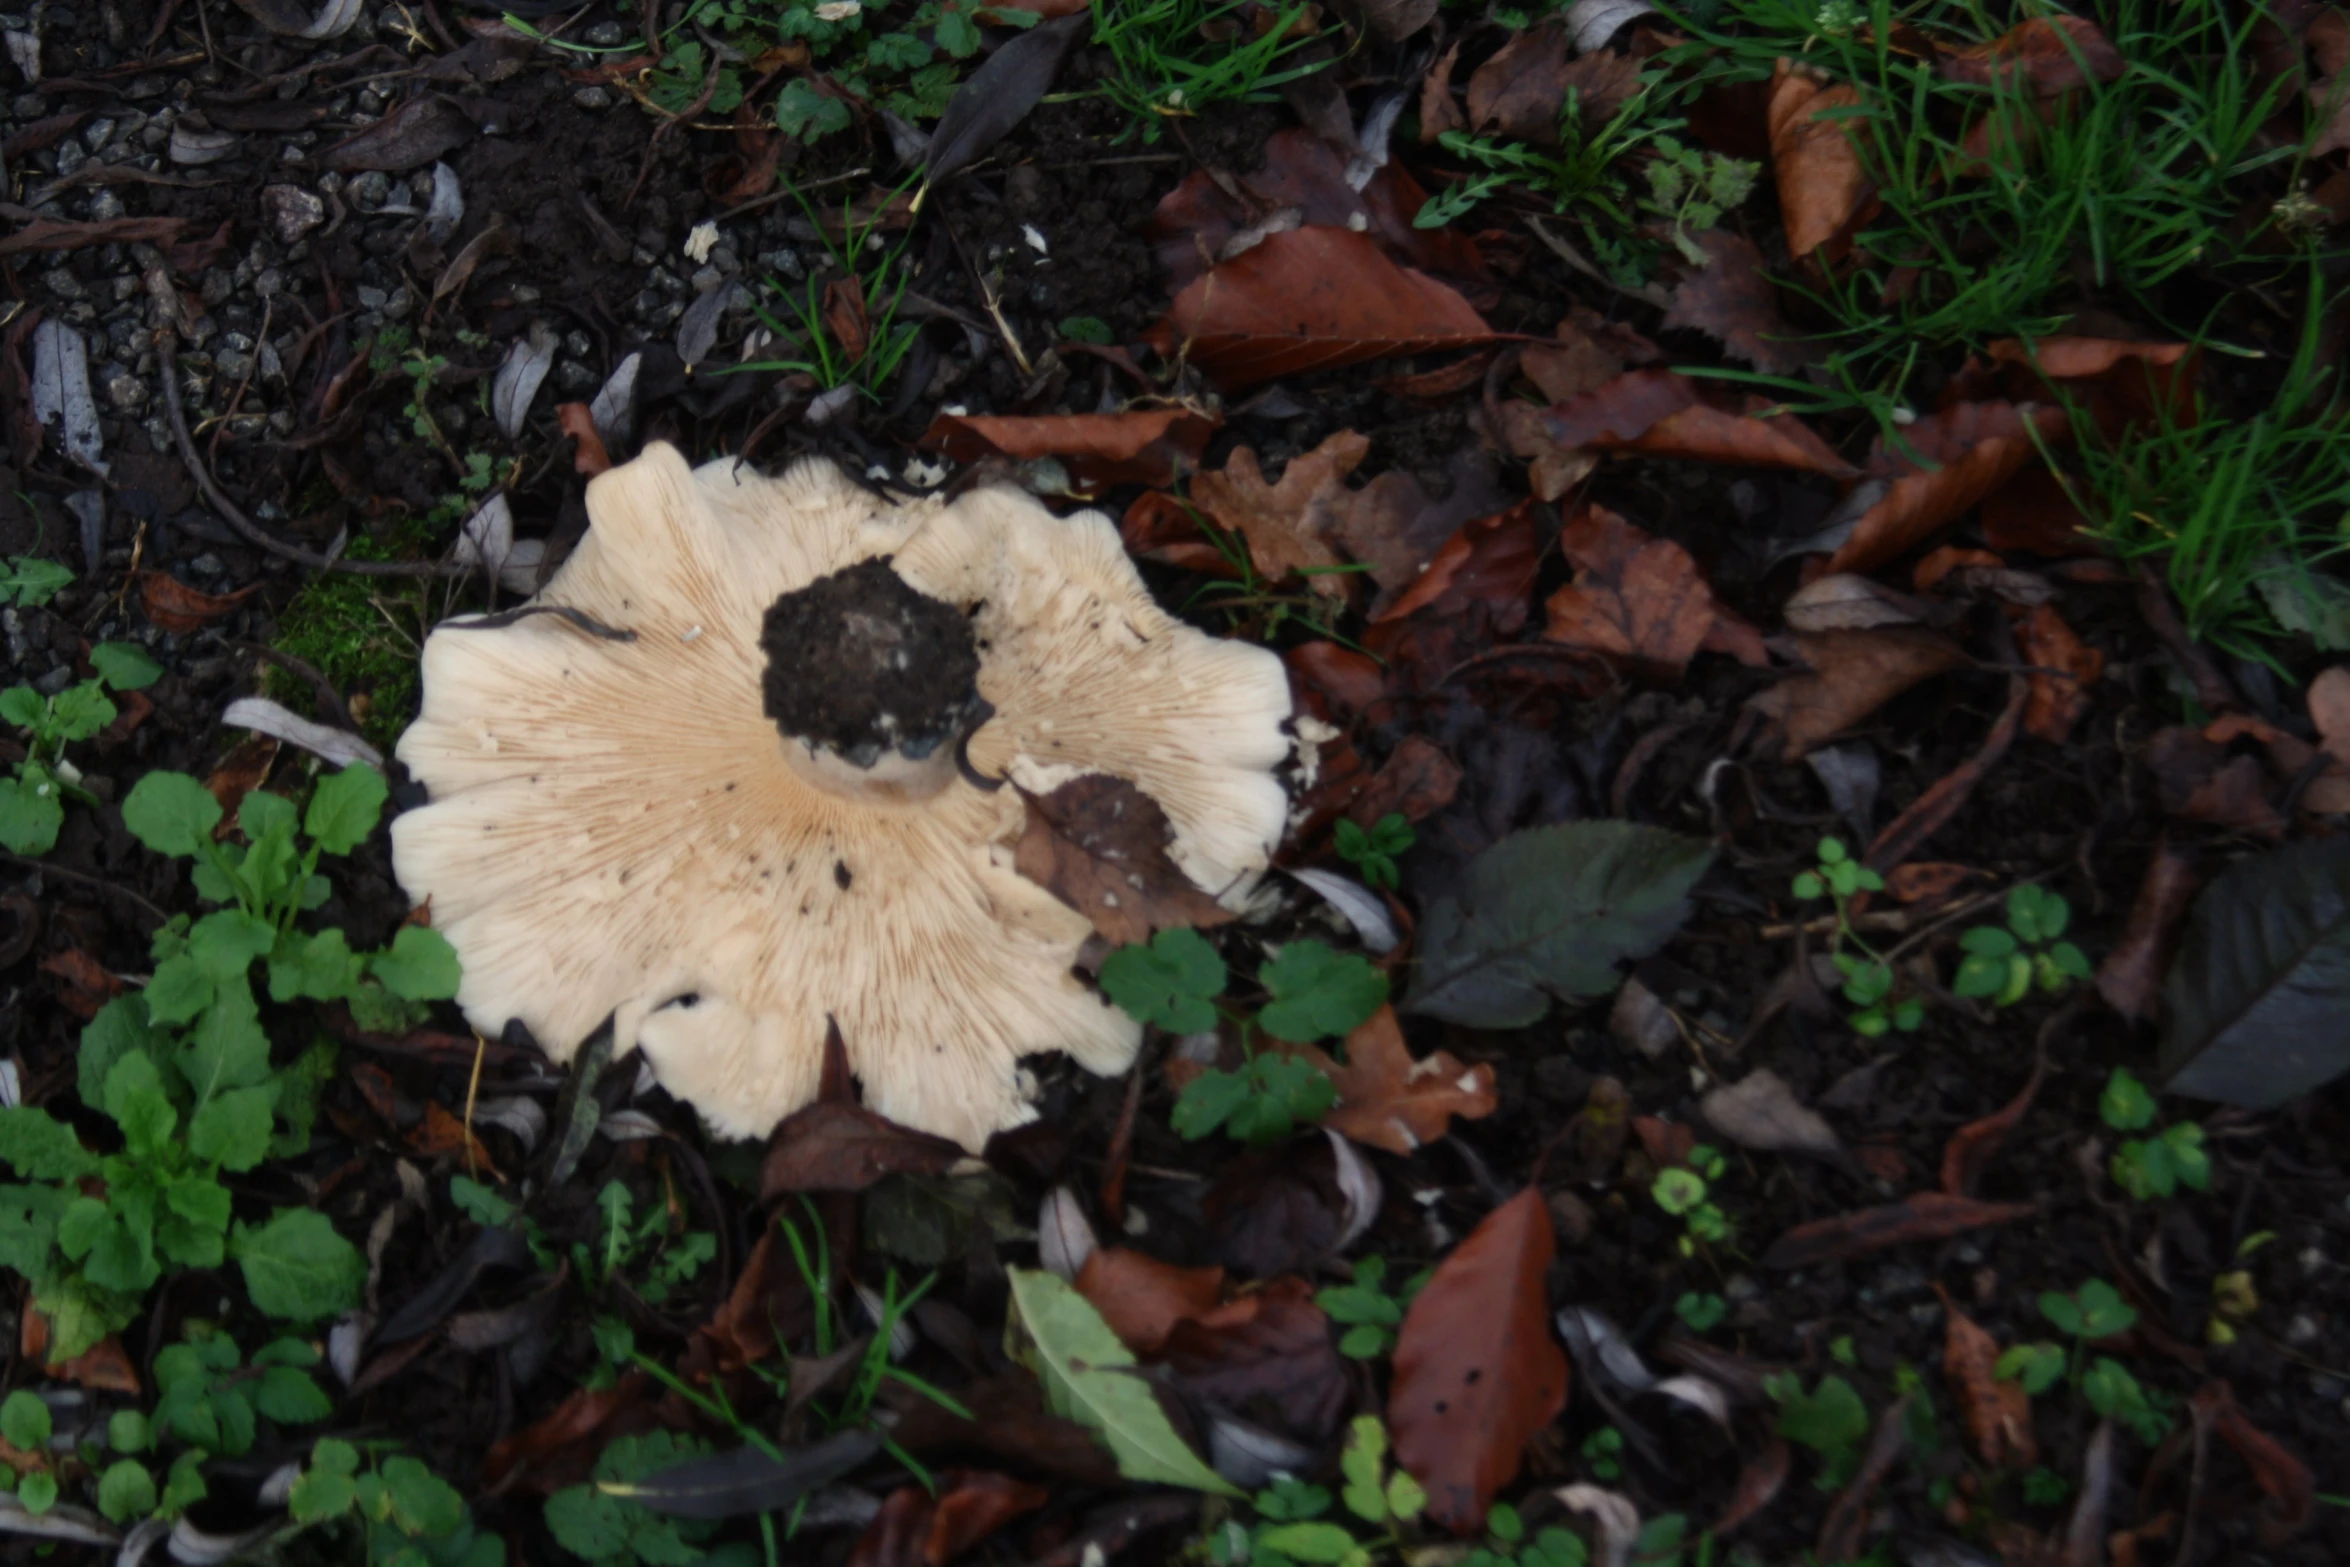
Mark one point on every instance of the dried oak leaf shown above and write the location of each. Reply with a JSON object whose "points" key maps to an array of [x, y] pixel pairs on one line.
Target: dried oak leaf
{"points": [[1477, 1373], [2064, 668], [1312, 299], [1818, 170], [1853, 673], [1142, 1298], [1732, 301], [1099, 844], [1954, 459], [1153, 446], [1634, 598], [1388, 1100], [2050, 54], [1288, 525]]}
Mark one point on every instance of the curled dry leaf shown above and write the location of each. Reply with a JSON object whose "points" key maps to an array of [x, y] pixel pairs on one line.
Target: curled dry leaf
{"points": [[1968, 450], [1761, 1112], [1973, 1146], [1813, 160], [2284, 1479], [833, 1146], [2064, 668], [1634, 598], [1928, 1216], [1847, 601], [1142, 1298], [1477, 1372], [1154, 446], [2050, 54], [2120, 384], [2131, 975], [1853, 673], [1312, 299], [1731, 301], [1388, 1100], [1518, 92], [1996, 1411], [173, 606], [589, 457], [1661, 414], [1439, 111], [1100, 845], [411, 136], [1288, 525]]}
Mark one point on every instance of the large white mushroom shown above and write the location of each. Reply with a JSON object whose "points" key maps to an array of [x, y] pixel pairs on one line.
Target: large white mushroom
{"points": [[772, 806]]}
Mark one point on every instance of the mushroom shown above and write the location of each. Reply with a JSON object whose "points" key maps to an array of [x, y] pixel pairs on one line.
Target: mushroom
{"points": [[779, 801]]}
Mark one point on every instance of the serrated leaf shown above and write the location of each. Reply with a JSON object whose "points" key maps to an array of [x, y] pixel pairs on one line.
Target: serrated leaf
{"points": [[1552, 912], [171, 813], [1319, 993], [421, 965], [297, 1267], [1169, 982], [1092, 1378], [41, 1148], [2258, 999], [345, 806]]}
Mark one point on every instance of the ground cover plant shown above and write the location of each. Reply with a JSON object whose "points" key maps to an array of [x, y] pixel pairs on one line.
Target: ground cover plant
{"points": [[1799, 1014]]}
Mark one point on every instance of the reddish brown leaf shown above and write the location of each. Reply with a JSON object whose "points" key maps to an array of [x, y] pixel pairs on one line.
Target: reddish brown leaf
{"points": [[2034, 513], [1759, 1483], [1269, 1357], [1142, 1298], [2050, 54], [1928, 1216], [1519, 91], [1996, 1411], [1288, 526], [1388, 1100], [1927, 881], [1733, 302], [1154, 446], [588, 455], [175, 607], [844, 316], [2282, 1478], [1160, 527], [1439, 111], [243, 770], [442, 1133], [1973, 449], [2121, 384], [1662, 414], [1347, 683], [2197, 780], [2131, 975], [104, 1367], [1009, 1422], [973, 1505], [1490, 562], [83, 985], [1099, 844], [1312, 299], [1973, 1146], [1580, 363], [1415, 782], [1477, 1373], [1853, 673], [1634, 598], [835, 1147], [897, 1533], [1395, 528], [1925, 816], [1813, 160], [2065, 668], [562, 1449]]}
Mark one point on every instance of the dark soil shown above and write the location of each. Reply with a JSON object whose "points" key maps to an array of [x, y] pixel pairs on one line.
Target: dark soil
{"points": [[860, 663]]}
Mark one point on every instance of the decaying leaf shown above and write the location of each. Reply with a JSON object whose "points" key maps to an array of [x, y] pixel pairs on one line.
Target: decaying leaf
{"points": [[411, 136], [589, 457], [1099, 844], [1997, 1411], [1388, 1100], [2131, 975], [1660, 413], [1142, 1298], [837, 1147], [173, 606], [1928, 1216], [2064, 668], [1731, 300], [1477, 1372], [1853, 673], [2051, 54], [1761, 1112], [1288, 525], [1154, 446], [1634, 598], [998, 95], [1821, 180], [1972, 449]]}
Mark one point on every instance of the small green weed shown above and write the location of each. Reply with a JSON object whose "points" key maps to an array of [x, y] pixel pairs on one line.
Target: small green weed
{"points": [[2095, 1311], [2003, 963], [1367, 1311], [2153, 1166], [28, 582], [644, 1247], [1868, 974], [846, 331], [1685, 1191], [1603, 1453], [1831, 1420], [32, 798], [1701, 1311], [364, 634], [1373, 853], [407, 1515], [1294, 1523]]}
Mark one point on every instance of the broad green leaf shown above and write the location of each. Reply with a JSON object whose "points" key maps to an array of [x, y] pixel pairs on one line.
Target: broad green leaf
{"points": [[42, 1148], [261, 813], [125, 666], [231, 1129], [24, 1420], [226, 1049], [225, 943], [21, 707], [1830, 1419], [1207, 1101], [171, 813], [29, 581], [297, 1267], [81, 711], [1170, 982], [30, 813], [345, 806], [119, 1028], [1319, 993], [2125, 1105], [136, 1100], [421, 965], [325, 1489], [2258, 1000], [126, 1491], [1090, 1377], [1315, 1543], [38, 1492], [290, 1397], [319, 968], [1551, 912], [178, 991]]}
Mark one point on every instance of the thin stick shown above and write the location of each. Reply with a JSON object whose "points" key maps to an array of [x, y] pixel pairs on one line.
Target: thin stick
{"points": [[481, 1047], [166, 349], [99, 882]]}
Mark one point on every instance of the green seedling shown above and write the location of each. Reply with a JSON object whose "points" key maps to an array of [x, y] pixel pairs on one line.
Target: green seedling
{"points": [[1368, 1312], [1830, 1420], [1701, 1311], [1252, 602], [660, 1259], [407, 1516], [28, 582], [1868, 974], [1691, 190], [208, 1399], [1603, 1453], [1585, 175], [597, 1523], [1685, 1191], [1172, 59], [1295, 1528], [846, 331], [32, 798], [1315, 993], [2153, 1166], [2095, 1311], [26, 1424], [2004, 963], [1507, 1546], [1373, 852]]}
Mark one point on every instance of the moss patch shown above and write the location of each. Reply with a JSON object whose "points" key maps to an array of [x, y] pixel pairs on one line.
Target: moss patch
{"points": [[362, 633]]}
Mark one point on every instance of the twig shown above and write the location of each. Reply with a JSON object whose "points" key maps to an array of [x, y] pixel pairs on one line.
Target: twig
{"points": [[302, 669], [166, 349], [99, 882]]}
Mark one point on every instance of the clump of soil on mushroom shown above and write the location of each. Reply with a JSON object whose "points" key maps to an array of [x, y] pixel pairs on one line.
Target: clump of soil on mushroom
{"points": [[861, 663]]}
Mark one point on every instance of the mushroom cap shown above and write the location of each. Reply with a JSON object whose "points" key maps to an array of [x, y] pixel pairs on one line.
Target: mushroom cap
{"points": [[614, 828]]}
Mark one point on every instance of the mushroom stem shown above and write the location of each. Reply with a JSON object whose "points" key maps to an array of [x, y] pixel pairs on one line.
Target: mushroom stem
{"points": [[873, 685]]}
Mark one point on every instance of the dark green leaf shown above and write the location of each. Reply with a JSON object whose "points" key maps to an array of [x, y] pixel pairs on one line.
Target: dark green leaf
{"points": [[320, 967], [421, 965], [745, 1480], [231, 1129], [125, 666], [41, 1148], [30, 813], [1170, 982], [225, 943], [171, 813], [126, 1491], [24, 1420], [226, 1049], [1552, 912], [1207, 1102], [345, 806], [136, 1100], [297, 1267], [1319, 993], [2258, 1000]]}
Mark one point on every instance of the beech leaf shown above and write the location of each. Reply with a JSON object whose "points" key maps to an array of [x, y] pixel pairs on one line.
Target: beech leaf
{"points": [[2258, 1000], [998, 96], [1551, 912]]}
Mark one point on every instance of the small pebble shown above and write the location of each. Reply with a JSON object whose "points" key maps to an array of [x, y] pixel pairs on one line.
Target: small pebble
{"points": [[592, 98]]}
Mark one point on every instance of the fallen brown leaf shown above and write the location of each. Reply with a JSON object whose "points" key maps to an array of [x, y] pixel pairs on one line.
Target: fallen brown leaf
{"points": [[588, 456], [1395, 528], [83, 985], [1477, 1372], [1388, 1100], [1761, 1112], [1518, 91], [1099, 844], [1973, 1146], [65, 234], [1288, 526], [1439, 112], [1415, 782], [1661, 414], [1312, 299], [1154, 446], [835, 1147], [173, 606], [1954, 459], [1927, 881], [2196, 780], [1160, 527], [2050, 54], [2131, 976], [1928, 1216], [1853, 673], [1813, 160], [1731, 301], [1634, 598], [1142, 1298], [1268, 1356], [2120, 384], [2064, 668], [1996, 1411]]}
